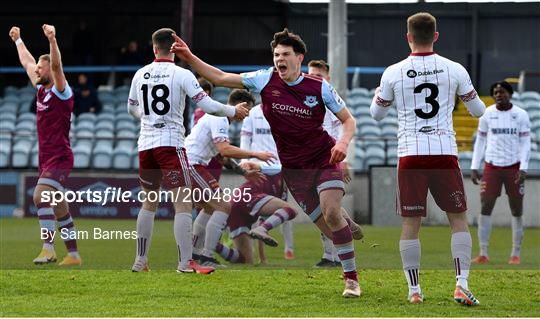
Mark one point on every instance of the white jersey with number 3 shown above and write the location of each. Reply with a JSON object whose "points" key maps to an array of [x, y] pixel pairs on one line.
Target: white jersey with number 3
{"points": [[423, 88], [160, 90]]}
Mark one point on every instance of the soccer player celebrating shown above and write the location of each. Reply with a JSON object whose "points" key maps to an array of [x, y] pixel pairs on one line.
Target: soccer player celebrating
{"points": [[210, 137], [54, 108], [157, 97], [333, 126], [256, 136], [505, 128], [295, 104], [423, 87]]}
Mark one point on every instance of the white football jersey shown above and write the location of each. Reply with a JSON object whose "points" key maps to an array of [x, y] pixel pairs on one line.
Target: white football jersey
{"points": [[160, 89], [332, 125], [423, 88], [200, 143], [259, 136], [503, 130]]}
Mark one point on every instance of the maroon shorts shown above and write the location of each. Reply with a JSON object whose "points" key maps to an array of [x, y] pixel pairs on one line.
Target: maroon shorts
{"points": [[54, 171], [215, 167], [495, 176], [438, 173], [165, 165], [306, 185], [244, 212], [202, 179]]}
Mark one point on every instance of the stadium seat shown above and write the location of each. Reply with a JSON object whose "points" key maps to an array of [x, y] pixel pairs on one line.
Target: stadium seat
{"points": [[104, 126], [20, 153], [5, 150], [121, 98], [126, 134], [84, 125], [9, 107], [359, 155], [12, 98], [84, 133], [124, 116], [82, 152], [102, 155], [105, 117], [7, 125], [362, 92], [369, 131], [122, 156], [391, 156], [374, 144], [106, 97], [25, 128], [87, 117], [365, 121], [534, 163], [530, 96], [534, 115], [8, 117], [374, 156], [30, 117], [34, 155], [28, 90], [388, 121], [389, 131], [103, 134], [10, 89], [125, 125]]}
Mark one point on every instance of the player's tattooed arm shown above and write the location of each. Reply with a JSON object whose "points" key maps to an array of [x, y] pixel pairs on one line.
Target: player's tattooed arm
{"points": [[27, 60], [56, 58]]}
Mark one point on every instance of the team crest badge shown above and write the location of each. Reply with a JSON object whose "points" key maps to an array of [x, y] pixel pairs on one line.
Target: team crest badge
{"points": [[311, 101]]}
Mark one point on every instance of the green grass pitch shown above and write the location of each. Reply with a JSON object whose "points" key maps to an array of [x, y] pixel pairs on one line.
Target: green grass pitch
{"points": [[105, 286]]}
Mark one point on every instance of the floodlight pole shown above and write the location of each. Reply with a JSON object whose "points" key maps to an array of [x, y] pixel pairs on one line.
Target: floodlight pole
{"points": [[337, 45]]}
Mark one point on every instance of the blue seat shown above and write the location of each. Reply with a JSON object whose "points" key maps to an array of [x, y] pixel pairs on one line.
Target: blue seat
{"points": [[374, 156], [122, 156], [31, 117], [465, 159], [125, 125], [102, 134], [87, 117], [34, 156], [84, 126], [366, 131], [20, 153], [7, 126], [104, 126], [85, 133], [5, 151], [102, 155], [105, 117], [126, 134], [106, 97], [82, 152]]}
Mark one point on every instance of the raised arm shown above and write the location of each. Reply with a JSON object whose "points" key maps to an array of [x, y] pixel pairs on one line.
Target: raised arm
{"points": [[56, 60], [213, 74], [25, 57]]}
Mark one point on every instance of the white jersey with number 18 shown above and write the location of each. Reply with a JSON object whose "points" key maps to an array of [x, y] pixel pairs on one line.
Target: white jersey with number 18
{"points": [[160, 89], [423, 87]]}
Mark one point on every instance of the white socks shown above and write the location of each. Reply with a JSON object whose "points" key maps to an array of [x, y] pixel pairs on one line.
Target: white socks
{"points": [[461, 245], [287, 235], [517, 235], [182, 235], [328, 248], [484, 230], [410, 257], [214, 228], [145, 226], [199, 230]]}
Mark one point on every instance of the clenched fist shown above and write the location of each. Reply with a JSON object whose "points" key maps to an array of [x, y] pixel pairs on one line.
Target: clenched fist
{"points": [[15, 33], [49, 31]]}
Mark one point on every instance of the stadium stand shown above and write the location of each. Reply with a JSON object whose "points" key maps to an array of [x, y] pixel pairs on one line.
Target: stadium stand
{"points": [[108, 140]]}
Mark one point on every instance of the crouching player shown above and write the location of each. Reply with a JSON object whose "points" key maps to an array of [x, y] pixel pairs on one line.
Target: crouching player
{"points": [[266, 199]]}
